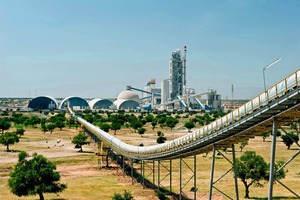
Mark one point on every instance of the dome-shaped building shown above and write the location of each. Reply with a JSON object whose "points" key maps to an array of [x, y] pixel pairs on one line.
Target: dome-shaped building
{"points": [[127, 100], [100, 104], [43, 102], [76, 103]]}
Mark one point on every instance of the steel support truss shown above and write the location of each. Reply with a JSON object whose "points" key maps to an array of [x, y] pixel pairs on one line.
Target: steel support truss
{"points": [[193, 177], [103, 151], [272, 177], [148, 165], [128, 168], [212, 182], [162, 165]]}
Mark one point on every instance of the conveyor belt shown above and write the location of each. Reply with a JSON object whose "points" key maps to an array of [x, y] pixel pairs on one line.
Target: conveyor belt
{"points": [[281, 101]]}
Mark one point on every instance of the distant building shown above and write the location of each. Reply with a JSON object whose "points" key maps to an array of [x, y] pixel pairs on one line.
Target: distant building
{"points": [[177, 72], [127, 100], [76, 103], [229, 105], [96, 104], [214, 100], [43, 102]]}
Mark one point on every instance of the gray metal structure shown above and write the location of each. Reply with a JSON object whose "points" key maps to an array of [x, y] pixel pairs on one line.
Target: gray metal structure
{"points": [[177, 74], [274, 107]]}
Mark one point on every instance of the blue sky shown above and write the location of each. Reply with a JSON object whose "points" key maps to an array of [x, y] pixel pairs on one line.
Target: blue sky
{"points": [[94, 48]]}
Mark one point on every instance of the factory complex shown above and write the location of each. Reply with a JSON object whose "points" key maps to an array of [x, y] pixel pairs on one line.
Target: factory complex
{"points": [[173, 94]]}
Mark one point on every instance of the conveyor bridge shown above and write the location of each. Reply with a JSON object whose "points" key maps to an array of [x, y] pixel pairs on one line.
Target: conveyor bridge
{"points": [[275, 107]]}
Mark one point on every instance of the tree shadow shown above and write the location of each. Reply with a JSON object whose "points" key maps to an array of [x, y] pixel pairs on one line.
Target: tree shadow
{"points": [[294, 149], [274, 197], [87, 152], [12, 151]]}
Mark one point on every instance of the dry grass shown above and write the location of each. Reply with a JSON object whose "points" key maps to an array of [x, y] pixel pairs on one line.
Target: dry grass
{"points": [[85, 181]]}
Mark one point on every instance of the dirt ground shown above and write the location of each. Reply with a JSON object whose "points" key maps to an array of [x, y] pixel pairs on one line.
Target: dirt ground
{"points": [[58, 147], [85, 180]]}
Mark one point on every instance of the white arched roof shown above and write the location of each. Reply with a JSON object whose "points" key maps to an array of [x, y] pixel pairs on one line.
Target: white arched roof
{"points": [[83, 102], [36, 99], [98, 102], [126, 104]]}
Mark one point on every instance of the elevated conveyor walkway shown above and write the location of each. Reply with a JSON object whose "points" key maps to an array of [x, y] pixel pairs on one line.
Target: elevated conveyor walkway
{"points": [[281, 101]]}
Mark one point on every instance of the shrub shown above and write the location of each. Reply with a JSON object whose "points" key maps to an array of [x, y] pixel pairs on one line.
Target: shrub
{"points": [[126, 196]]}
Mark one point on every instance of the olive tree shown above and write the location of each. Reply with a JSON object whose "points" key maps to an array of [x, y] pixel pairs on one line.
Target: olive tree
{"points": [[171, 122], [9, 138], [264, 135], [289, 138], [34, 177], [79, 140], [115, 126], [161, 138], [189, 125], [126, 196], [4, 124], [252, 170]]}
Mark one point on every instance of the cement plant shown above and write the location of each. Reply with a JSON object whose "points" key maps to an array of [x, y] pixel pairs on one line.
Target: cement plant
{"points": [[174, 94]]}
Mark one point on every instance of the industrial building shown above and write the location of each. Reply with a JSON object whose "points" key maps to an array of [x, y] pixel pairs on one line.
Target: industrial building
{"points": [[76, 103], [173, 93], [97, 104], [127, 100], [43, 102], [177, 76]]}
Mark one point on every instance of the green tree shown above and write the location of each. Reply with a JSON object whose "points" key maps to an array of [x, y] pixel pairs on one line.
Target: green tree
{"points": [[34, 177], [149, 118], [59, 124], [171, 122], [295, 126], [70, 121], [79, 140], [264, 135], [32, 121], [136, 124], [5, 113], [104, 126], [243, 144], [51, 127], [9, 138], [159, 133], [189, 125], [126, 196], [44, 127], [115, 126], [289, 138], [251, 169], [154, 123], [20, 131], [279, 174], [161, 121], [4, 124], [141, 131], [161, 137]]}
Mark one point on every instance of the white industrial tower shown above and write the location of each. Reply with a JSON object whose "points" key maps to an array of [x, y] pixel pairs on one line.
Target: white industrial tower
{"points": [[177, 74]]}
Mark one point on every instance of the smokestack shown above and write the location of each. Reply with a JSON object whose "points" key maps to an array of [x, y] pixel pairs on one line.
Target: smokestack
{"points": [[184, 71]]}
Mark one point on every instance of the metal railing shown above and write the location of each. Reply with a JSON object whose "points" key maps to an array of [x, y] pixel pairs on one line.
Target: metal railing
{"points": [[196, 139]]}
